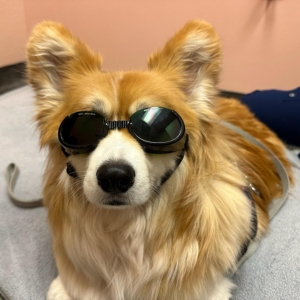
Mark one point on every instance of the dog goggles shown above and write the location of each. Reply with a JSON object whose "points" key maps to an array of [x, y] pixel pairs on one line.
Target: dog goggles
{"points": [[155, 128]]}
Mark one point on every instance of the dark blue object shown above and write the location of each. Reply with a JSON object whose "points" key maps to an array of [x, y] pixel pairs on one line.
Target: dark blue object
{"points": [[279, 110]]}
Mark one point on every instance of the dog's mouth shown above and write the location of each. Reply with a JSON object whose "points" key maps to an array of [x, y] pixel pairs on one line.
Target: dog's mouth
{"points": [[114, 202]]}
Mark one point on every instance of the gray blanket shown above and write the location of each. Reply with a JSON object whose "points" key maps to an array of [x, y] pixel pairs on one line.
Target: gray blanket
{"points": [[26, 262]]}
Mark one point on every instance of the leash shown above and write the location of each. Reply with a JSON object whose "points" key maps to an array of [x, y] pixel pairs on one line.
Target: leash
{"points": [[12, 173]]}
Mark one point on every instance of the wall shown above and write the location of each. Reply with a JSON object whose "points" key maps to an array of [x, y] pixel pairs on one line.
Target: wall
{"points": [[260, 37], [13, 33]]}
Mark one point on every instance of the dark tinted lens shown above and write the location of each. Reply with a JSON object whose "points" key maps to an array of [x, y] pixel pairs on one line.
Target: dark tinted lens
{"points": [[81, 129], [157, 125]]}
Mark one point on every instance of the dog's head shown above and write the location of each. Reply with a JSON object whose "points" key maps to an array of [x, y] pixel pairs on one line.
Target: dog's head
{"points": [[123, 166]]}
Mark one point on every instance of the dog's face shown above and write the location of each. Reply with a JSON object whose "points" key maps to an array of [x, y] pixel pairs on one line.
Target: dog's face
{"points": [[118, 172], [67, 78]]}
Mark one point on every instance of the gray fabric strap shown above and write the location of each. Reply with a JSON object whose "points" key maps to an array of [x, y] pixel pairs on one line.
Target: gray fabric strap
{"points": [[276, 203], [12, 173]]}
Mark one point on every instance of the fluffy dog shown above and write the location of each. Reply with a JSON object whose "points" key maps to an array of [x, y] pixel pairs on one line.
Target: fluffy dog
{"points": [[132, 221]]}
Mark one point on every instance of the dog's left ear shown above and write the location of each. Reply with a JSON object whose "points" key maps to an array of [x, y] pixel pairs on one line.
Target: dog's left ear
{"points": [[191, 59], [54, 55]]}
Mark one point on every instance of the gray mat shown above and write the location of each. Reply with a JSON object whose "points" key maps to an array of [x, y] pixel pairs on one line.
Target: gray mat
{"points": [[26, 262]]}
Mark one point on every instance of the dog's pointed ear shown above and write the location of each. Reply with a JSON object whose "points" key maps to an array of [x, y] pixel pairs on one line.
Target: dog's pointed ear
{"points": [[191, 58], [53, 55]]}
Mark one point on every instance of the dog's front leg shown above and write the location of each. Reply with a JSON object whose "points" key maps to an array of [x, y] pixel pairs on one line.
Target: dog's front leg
{"points": [[57, 291]]}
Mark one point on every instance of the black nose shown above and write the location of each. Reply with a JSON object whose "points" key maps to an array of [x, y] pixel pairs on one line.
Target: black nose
{"points": [[115, 177]]}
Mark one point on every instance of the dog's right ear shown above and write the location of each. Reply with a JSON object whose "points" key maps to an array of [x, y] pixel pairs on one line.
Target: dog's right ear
{"points": [[53, 55]]}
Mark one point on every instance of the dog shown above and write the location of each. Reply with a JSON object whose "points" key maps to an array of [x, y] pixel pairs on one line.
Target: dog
{"points": [[147, 192]]}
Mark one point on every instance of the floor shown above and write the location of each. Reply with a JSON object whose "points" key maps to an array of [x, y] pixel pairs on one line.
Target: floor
{"points": [[12, 77]]}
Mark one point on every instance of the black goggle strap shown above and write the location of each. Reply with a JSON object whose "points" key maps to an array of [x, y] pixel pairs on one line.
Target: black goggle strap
{"points": [[69, 169], [64, 151], [178, 161]]}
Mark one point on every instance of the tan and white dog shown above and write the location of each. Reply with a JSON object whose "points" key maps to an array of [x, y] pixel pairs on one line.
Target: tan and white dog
{"points": [[179, 225]]}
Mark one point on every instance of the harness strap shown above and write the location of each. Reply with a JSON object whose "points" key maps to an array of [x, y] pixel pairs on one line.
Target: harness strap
{"points": [[245, 246], [276, 204], [178, 161]]}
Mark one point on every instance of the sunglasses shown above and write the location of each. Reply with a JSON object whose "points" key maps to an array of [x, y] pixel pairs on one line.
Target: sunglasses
{"points": [[157, 129]]}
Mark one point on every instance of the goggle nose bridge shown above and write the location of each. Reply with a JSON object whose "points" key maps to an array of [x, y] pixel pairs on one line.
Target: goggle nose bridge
{"points": [[117, 124]]}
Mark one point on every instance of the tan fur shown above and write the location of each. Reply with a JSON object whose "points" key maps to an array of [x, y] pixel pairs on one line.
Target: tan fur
{"points": [[183, 241]]}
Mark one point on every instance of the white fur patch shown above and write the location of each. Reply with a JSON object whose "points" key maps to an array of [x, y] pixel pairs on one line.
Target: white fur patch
{"points": [[57, 291], [222, 290]]}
